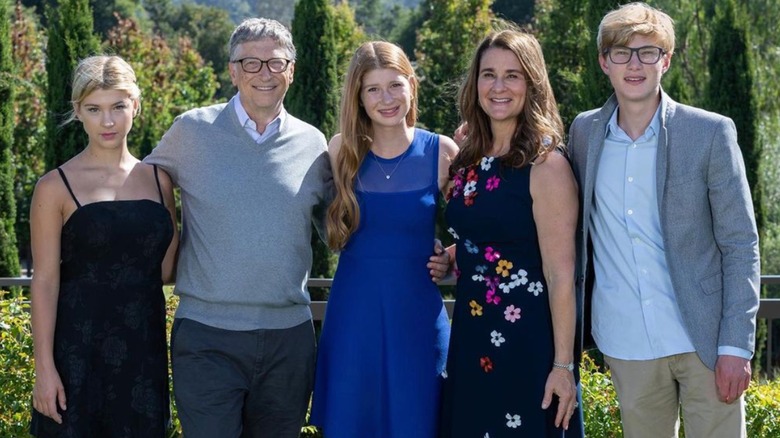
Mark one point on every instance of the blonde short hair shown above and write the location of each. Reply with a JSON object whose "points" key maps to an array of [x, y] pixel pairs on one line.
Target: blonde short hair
{"points": [[620, 25]]}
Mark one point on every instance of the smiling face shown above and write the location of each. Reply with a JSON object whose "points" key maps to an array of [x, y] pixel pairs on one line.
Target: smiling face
{"points": [[107, 116], [635, 82], [386, 95], [501, 85], [262, 93]]}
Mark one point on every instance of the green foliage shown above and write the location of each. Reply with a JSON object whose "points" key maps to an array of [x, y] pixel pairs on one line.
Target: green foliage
{"points": [[171, 81], [348, 36], [313, 96], [104, 13], [16, 368], [281, 10], [566, 52], [601, 410], [518, 11], [445, 44], [28, 150], [209, 30], [9, 259], [368, 14], [70, 39], [599, 401]]}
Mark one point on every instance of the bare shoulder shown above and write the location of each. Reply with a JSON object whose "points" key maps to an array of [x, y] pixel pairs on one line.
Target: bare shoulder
{"points": [[447, 147], [552, 174], [51, 186], [334, 146]]}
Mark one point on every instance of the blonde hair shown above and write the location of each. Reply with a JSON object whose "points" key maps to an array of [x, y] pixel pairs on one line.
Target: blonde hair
{"points": [[539, 126], [101, 73], [620, 25], [356, 132]]}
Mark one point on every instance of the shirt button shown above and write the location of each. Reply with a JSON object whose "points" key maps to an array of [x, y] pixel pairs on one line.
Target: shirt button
{"points": [[630, 179], [633, 145], [630, 212]]}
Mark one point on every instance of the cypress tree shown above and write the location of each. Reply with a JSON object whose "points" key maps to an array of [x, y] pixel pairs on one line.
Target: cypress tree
{"points": [[730, 92], [71, 38], [445, 44], [565, 37], [9, 257], [313, 95]]}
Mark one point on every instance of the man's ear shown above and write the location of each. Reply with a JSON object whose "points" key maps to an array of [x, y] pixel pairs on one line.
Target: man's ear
{"points": [[603, 63]]}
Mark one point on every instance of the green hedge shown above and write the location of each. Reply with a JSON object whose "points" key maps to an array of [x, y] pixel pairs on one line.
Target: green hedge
{"points": [[602, 415]]}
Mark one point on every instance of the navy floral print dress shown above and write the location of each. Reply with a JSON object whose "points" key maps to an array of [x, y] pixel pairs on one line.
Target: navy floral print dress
{"points": [[501, 347], [109, 339]]}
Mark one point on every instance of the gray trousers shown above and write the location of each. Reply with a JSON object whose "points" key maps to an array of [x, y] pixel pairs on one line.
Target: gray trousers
{"points": [[241, 384]]}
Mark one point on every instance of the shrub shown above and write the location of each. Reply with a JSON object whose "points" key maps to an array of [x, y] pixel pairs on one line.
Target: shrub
{"points": [[601, 410]]}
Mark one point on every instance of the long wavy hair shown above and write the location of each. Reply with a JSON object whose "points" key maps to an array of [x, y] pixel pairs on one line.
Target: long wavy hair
{"points": [[539, 127], [356, 133]]}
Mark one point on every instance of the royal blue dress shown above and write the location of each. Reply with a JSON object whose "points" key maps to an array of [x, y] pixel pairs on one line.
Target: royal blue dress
{"points": [[384, 340], [501, 350]]}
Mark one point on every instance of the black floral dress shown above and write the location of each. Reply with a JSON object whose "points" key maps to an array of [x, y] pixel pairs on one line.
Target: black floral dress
{"points": [[501, 347], [109, 339]]}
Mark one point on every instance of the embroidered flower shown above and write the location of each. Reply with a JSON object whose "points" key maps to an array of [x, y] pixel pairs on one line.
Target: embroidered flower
{"points": [[491, 255], [481, 268], [478, 277], [491, 282], [519, 278], [486, 163], [470, 247], [506, 287], [492, 298], [536, 288], [496, 338], [503, 267], [476, 309], [469, 188], [512, 313], [486, 364], [453, 233], [513, 421], [492, 183], [457, 185]]}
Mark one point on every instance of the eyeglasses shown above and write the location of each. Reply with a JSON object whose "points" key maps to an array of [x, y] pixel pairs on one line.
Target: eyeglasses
{"points": [[645, 54], [254, 65]]}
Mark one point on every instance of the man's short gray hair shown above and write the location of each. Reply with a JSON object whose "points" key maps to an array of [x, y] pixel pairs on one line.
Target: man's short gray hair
{"points": [[255, 29]]}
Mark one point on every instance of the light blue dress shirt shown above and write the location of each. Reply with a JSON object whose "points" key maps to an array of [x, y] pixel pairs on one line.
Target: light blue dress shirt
{"points": [[251, 127], [635, 311]]}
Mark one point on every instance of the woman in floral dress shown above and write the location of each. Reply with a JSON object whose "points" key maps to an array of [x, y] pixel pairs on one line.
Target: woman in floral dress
{"points": [[512, 209]]}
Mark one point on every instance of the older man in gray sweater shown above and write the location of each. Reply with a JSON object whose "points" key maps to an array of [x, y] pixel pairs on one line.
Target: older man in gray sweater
{"points": [[251, 177]]}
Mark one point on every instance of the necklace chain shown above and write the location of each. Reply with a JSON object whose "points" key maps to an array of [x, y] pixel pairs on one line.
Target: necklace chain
{"points": [[388, 175]]}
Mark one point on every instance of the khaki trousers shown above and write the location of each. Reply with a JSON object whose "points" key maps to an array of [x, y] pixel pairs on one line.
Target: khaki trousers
{"points": [[650, 393]]}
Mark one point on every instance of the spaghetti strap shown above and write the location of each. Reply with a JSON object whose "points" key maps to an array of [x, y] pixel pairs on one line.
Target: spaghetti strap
{"points": [[67, 184], [159, 189]]}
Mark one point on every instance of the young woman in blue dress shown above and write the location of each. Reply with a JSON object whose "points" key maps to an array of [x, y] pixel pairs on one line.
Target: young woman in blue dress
{"points": [[384, 339]]}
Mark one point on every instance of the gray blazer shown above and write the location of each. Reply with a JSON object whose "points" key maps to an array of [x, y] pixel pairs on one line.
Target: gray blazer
{"points": [[707, 221]]}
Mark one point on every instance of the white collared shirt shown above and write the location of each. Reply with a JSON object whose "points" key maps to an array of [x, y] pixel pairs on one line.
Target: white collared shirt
{"points": [[251, 127]]}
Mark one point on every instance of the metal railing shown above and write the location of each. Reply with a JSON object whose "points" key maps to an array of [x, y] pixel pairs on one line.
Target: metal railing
{"points": [[769, 307]]}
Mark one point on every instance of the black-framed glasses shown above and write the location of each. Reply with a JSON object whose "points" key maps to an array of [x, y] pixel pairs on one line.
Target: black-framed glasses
{"points": [[254, 65], [645, 54]]}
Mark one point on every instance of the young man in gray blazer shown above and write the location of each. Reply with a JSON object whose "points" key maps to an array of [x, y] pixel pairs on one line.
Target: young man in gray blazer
{"points": [[668, 242]]}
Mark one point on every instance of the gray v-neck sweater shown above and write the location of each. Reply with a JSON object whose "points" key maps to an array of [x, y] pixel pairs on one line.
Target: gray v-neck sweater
{"points": [[247, 210]]}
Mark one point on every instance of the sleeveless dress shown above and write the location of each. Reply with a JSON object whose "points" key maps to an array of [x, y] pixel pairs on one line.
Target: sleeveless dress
{"points": [[501, 350], [384, 339], [109, 339]]}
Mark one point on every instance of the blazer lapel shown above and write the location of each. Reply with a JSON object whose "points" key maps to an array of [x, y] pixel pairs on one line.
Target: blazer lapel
{"points": [[662, 153], [595, 146]]}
